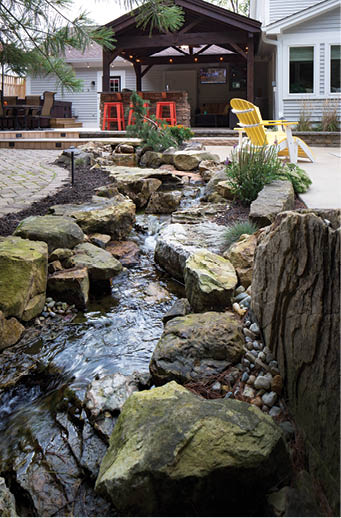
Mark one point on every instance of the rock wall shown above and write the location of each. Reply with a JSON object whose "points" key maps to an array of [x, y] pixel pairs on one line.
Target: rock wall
{"points": [[296, 300]]}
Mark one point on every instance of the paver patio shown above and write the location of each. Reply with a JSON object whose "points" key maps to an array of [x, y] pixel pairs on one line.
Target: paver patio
{"points": [[27, 176]]}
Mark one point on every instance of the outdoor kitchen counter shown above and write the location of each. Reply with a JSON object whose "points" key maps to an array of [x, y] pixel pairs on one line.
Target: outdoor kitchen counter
{"points": [[183, 109]]}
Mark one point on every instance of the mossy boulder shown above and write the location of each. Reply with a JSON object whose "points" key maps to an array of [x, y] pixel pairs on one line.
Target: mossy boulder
{"points": [[100, 263], [23, 267], [210, 281], [196, 346], [57, 232], [173, 453]]}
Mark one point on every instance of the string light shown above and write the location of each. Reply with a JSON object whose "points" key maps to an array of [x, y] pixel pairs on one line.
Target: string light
{"points": [[131, 57], [138, 61], [195, 59], [221, 58], [171, 60]]}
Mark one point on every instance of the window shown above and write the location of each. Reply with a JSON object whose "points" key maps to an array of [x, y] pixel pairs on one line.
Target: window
{"points": [[115, 84], [301, 70], [335, 60]]}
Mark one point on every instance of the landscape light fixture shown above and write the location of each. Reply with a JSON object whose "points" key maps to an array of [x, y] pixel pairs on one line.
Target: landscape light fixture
{"points": [[72, 150]]}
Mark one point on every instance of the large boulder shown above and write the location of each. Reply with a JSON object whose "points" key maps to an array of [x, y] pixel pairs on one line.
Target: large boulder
{"points": [[100, 263], [188, 159], [196, 346], [163, 202], [176, 242], [10, 331], [241, 254], [151, 159], [275, 197], [296, 300], [173, 453], [210, 281], [114, 216], [23, 267], [71, 286], [198, 213], [57, 232]]}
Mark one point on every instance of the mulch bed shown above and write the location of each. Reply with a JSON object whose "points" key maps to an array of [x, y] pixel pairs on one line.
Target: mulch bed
{"points": [[86, 182]]}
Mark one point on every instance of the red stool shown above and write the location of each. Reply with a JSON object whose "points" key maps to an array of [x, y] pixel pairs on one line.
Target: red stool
{"points": [[131, 116], [113, 112], [170, 106]]}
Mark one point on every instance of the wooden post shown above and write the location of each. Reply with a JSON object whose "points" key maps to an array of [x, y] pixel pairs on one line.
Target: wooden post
{"points": [[138, 73], [108, 58], [250, 68]]}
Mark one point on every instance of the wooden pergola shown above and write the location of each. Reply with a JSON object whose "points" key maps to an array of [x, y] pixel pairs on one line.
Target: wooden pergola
{"points": [[206, 25]]}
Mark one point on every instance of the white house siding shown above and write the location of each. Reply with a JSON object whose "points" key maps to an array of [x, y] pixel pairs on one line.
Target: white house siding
{"points": [[279, 9], [327, 22], [314, 107]]}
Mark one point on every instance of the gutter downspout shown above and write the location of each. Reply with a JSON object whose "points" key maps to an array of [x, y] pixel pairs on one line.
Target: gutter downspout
{"points": [[278, 108]]}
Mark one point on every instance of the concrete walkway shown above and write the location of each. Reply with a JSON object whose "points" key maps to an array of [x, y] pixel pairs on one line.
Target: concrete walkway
{"points": [[27, 176], [325, 173]]}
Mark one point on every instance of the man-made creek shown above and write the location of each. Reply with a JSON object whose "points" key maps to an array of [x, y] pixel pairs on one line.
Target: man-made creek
{"points": [[49, 451]]}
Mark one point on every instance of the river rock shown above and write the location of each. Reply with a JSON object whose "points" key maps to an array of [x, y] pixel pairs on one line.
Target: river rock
{"points": [[151, 159], [7, 501], [241, 254], [23, 267], [180, 308], [296, 302], [196, 346], [108, 393], [175, 243], [163, 202], [100, 263], [114, 216], [127, 252], [71, 286], [57, 232], [10, 331], [209, 281], [184, 451], [275, 197]]}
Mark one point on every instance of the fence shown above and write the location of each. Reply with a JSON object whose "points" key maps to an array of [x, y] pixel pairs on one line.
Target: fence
{"points": [[14, 85]]}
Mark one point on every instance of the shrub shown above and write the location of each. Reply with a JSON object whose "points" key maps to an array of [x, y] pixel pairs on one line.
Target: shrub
{"points": [[239, 228], [180, 133], [329, 120], [250, 169], [304, 122], [297, 176]]}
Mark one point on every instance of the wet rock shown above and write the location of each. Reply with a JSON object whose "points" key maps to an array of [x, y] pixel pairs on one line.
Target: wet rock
{"points": [[180, 308], [241, 254], [7, 501], [163, 202], [303, 328], [55, 266], [109, 393], [61, 254], [274, 198], [162, 446], [57, 232], [23, 267], [209, 281], [10, 331], [195, 346], [70, 285], [113, 216], [175, 243], [124, 159], [151, 159], [100, 240], [127, 252], [155, 294], [198, 213], [100, 263]]}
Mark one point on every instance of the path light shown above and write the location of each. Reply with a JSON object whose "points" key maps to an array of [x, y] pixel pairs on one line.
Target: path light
{"points": [[72, 150]]}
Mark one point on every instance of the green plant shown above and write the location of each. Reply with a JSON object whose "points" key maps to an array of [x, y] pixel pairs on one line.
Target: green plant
{"points": [[180, 133], [329, 120], [239, 228], [297, 176], [304, 122], [250, 169]]}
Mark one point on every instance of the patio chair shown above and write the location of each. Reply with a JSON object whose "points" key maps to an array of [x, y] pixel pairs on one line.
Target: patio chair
{"points": [[43, 114], [251, 122]]}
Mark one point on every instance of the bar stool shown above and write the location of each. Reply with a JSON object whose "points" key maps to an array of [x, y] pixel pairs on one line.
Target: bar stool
{"points": [[131, 116], [170, 106], [117, 116]]}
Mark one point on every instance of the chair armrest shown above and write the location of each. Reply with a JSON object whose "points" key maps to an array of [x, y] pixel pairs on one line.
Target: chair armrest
{"points": [[239, 129]]}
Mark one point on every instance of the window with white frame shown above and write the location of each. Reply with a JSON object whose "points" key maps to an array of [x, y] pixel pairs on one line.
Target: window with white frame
{"points": [[301, 70], [335, 68], [115, 84]]}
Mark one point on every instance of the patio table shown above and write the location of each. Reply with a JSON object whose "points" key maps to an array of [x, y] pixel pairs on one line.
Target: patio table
{"points": [[28, 108]]}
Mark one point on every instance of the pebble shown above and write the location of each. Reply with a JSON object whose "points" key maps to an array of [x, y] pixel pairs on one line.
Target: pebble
{"points": [[248, 340], [265, 408], [238, 309], [245, 303], [245, 377], [249, 333], [257, 401], [273, 364], [251, 380], [49, 299], [256, 345], [254, 328], [248, 392], [245, 362], [252, 365], [228, 395], [277, 384], [260, 392], [262, 382], [255, 353], [249, 346], [53, 314], [269, 357], [45, 314], [269, 398], [247, 323], [262, 356], [50, 304], [241, 297], [275, 411], [240, 289], [216, 386]]}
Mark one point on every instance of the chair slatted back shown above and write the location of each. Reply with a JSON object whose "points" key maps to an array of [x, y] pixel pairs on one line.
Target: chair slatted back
{"points": [[32, 99], [250, 118], [47, 104]]}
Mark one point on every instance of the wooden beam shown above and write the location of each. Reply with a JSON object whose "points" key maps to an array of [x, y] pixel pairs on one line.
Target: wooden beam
{"points": [[146, 70], [202, 50], [250, 68], [238, 49], [177, 39], [108, 57], [190, 26], [179, 50], [184, 60], [138, 73]]}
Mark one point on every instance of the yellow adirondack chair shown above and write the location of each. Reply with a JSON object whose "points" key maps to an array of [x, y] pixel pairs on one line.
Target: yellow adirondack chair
{"points": [[251, 122]]}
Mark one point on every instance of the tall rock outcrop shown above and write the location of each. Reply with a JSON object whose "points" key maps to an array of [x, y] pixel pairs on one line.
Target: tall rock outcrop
{"points": [[296, 300]]}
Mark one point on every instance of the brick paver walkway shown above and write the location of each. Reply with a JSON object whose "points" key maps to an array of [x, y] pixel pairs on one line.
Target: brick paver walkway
{"points": [[27, 175]]}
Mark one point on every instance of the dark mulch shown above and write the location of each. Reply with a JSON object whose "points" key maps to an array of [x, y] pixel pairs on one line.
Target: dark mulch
{"points": [[86, 182]]}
